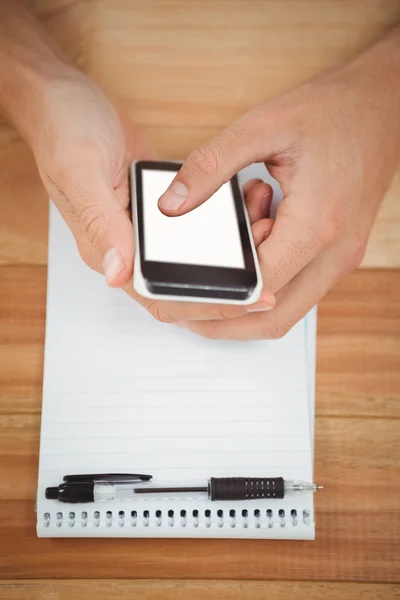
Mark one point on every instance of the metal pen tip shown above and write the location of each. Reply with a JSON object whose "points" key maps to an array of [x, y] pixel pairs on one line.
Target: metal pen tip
{"points": [[318, 487]]}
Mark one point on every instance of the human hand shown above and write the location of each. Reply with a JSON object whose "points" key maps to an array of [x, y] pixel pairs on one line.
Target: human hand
{"points": [[258, 196], [81, 149], [83, 152], [333, 144], [83, 156]]}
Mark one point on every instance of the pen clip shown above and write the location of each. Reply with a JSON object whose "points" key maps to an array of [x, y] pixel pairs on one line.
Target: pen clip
{"points": [[106, 478]]}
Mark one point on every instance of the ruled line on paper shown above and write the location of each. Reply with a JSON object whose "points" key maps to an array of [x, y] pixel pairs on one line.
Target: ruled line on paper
{"points": [[178, 399]]}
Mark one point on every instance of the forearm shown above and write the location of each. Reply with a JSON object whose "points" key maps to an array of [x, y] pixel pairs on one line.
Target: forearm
{"points": [[29, 62], [383, 58], [374, 79]]}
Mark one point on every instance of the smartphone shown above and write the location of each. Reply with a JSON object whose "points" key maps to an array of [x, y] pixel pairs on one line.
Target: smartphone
{"points": [[206, 255]]}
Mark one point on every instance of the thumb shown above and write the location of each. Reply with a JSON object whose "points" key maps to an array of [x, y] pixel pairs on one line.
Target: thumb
{"points": [[99, 223], [213, 164]]}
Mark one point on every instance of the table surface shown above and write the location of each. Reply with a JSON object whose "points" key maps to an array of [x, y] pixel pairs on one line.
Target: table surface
{"points": [[236, 53], [184, 69], [356, 457]]}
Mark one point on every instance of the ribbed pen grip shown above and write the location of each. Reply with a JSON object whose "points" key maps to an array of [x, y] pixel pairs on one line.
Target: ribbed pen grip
{"points": [[246, 488]]}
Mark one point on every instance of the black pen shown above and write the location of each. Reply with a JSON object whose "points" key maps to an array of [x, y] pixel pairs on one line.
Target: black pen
{"points": [[106, 487]]}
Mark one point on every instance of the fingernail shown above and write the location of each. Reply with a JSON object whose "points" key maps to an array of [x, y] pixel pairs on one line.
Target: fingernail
{"points": [[174, 197], [259, 307], [113, 264], [265, 202]]}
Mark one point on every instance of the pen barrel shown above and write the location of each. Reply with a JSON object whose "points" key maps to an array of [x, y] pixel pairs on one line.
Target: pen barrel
{"points": [[246, 488]]}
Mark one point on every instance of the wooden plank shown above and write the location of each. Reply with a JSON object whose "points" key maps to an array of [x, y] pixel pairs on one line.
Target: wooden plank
{"points": [[340, 460], [195, 590], [356, 547], [350, 453], [24, 212], [24, 205], [357, 449], [358, 352], [358, 519], [235, 55], [358, 349]]}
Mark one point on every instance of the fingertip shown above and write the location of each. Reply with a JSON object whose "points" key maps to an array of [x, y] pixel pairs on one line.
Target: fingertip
{"points": [[261, 231], [268, 298], [258, 201], [259, 306], [250, 184], [120, 280], [116, 271], [173, 200], [180, 324]]}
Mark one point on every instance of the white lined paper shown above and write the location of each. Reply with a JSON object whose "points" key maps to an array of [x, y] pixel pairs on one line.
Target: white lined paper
{"points": [[125, 393]]}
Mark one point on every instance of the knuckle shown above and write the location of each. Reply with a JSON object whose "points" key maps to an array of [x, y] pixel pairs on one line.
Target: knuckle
{"points": [[208, 331], [356, 255], [93, 222], [233, 136], [159, 312], [331, 229], [87, 256], [275, 331], [205, 160], [219, 314]]}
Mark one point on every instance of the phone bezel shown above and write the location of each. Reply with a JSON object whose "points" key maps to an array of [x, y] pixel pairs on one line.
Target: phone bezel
{"points": [[182, 279]]}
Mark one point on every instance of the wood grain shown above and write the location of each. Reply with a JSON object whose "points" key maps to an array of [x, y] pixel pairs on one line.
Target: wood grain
{"points": [[358, 350], [195, 590], [357, 450], [183, 69]]}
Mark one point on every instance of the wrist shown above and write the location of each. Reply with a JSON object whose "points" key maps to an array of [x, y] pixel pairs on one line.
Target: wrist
{"points": [[24, 86], [375, 74], [30, 62], [367, 88]]}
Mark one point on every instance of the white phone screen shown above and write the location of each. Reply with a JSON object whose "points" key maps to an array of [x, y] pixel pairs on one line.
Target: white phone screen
{"points": [[208, 235]]}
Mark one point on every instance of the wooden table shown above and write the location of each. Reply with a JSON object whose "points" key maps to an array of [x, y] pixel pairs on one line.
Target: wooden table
{"points": [[236, 54]]}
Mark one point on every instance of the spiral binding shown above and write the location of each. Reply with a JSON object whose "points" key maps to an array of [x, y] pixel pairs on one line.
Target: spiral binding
{"points": [[131, 519]]}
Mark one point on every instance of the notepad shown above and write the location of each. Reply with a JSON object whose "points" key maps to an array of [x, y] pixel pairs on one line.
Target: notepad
{"points": [[125, 393]]}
